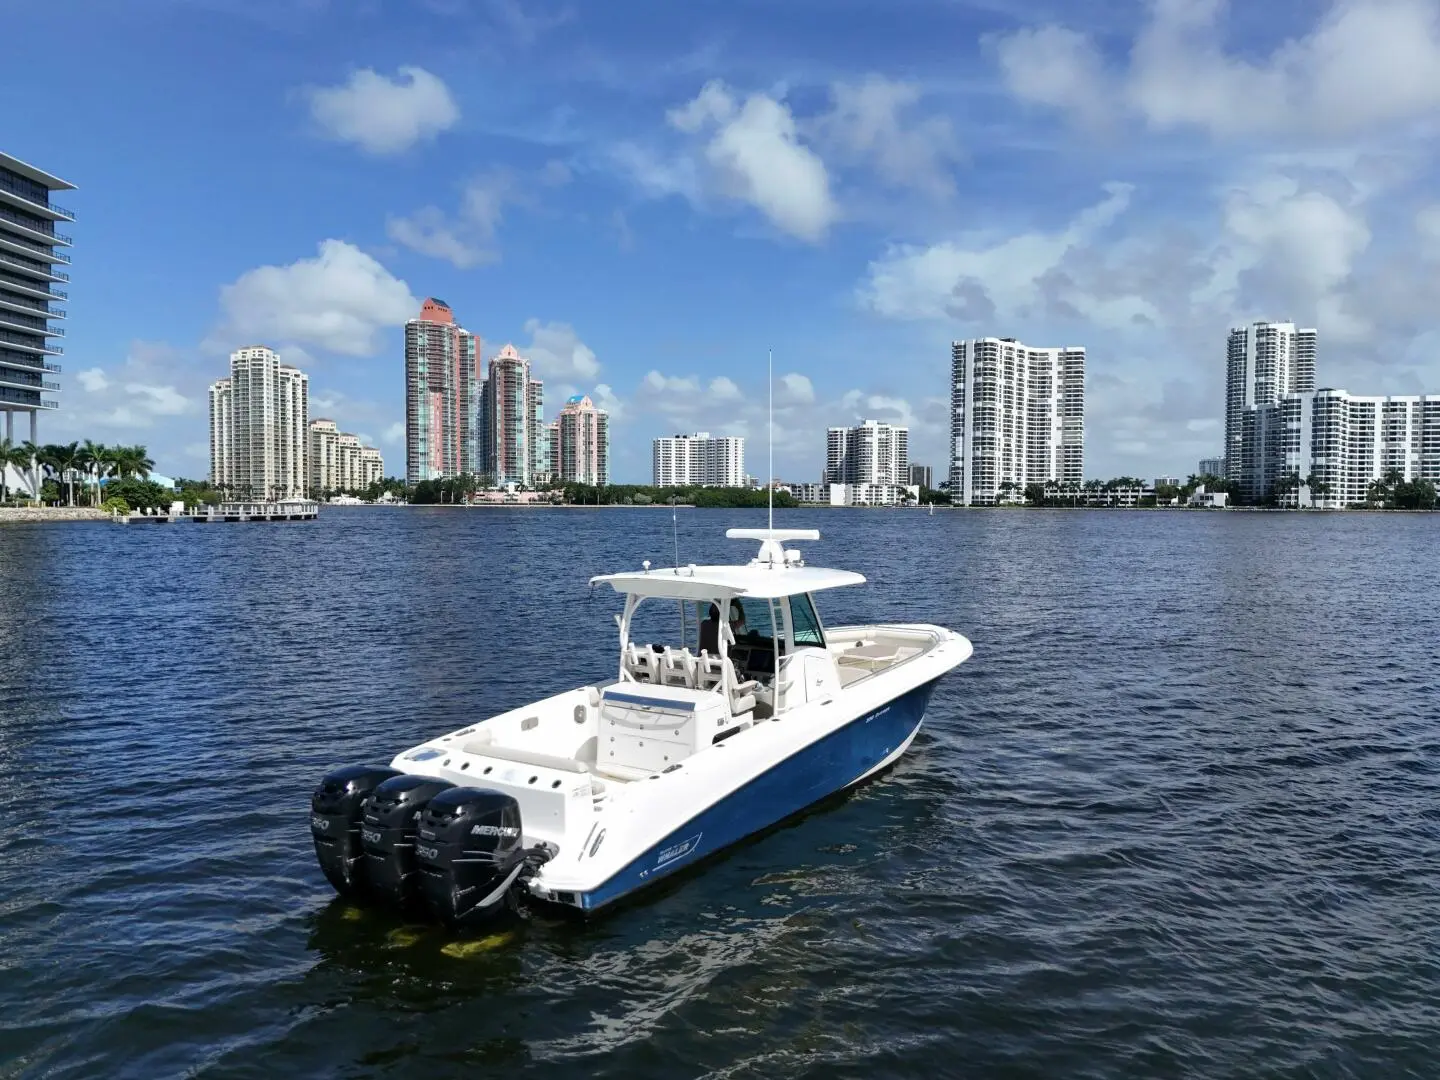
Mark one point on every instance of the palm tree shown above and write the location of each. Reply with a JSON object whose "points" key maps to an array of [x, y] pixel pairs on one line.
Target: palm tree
{"points": [[65, 457], [131, 461], [33, 456], [94, 460], [10, 454]]}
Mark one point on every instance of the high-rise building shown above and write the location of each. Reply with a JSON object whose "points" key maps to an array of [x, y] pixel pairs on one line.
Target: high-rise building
{"points": [[517, 436], [920, 476], [1212, 466], [580, 443], [260, 427], [1263, 362], [29, 255], [1017, 417], [443, 388], [1341, 442], [869, 453], [338, 460], [698, 461]]}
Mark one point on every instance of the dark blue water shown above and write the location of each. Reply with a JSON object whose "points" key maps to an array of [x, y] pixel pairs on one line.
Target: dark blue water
{"points": [[1177, 816]]}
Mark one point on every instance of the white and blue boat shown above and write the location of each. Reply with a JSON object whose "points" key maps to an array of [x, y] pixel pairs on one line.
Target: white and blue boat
{"points": [[725, 717]]}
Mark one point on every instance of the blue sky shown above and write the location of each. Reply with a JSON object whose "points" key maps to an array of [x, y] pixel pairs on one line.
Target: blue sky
{"points": [[643, 198]]}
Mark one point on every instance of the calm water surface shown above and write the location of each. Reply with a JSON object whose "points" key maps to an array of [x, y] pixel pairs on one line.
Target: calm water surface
{"points": [[1177, 817]]}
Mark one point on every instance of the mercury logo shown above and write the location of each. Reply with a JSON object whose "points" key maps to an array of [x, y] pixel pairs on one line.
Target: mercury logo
{"points": [[506, 831]]}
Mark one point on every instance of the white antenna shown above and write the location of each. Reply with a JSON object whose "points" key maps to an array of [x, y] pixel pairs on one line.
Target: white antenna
{"points": [[770, 436]]}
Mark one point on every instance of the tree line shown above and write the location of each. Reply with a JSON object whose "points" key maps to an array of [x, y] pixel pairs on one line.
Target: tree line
{"points": [[60, 467]]}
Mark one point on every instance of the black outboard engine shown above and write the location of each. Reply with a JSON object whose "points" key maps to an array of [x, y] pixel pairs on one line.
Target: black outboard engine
{"points": [[388, 835], [335, 812], [469, 848]]}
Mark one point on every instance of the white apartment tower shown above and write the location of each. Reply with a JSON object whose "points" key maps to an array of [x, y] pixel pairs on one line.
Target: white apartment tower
{"points": [[698, 460], [1336, 444], [1017, 417], [1263, 362], [869, 453], [259, 427]]}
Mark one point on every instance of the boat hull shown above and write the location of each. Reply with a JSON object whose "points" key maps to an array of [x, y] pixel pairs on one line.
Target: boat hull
{"points": [[831, 764]]}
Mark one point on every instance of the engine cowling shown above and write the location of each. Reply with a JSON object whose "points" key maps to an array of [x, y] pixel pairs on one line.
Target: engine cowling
{"points": [[335, 812], [469, 847], [387, 832]]}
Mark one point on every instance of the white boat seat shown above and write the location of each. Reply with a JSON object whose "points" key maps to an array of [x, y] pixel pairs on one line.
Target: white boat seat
{"points": [[710, 674], [525, 757], [677, 668], [640, 663], [623, 773]]}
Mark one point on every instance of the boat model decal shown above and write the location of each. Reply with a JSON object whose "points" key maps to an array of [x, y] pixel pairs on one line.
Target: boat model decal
{"points": [[678, 851]]}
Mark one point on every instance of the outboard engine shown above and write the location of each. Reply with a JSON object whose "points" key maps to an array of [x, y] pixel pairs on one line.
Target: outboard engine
{"points": [[335, 812], [387, 833], [470, 851]]}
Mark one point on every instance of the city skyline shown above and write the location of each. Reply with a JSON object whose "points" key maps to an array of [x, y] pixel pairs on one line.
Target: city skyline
{"points": [[607, 227]]}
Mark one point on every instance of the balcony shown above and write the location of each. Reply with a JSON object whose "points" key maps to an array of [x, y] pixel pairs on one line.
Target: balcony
{"points": [[43, 231], [24, 304], [21, 322], [37, 290], [29, 343], [34, 267], [18, 380], [14, 241], [12, 192]]}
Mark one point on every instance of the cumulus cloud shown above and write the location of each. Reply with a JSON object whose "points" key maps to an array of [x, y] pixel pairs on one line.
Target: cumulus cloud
{"points": [[556, 352], [867, 124], [339, 301], [384, 115], [1364, 63], [93, 380], [753, 154], [974, 277], [467, 238], [394, 435]]}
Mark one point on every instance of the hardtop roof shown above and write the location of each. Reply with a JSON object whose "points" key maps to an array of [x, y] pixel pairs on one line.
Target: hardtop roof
{"points": [[767, 581]]}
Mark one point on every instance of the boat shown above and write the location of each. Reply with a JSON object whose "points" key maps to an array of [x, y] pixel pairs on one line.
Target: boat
{"points": [[589, 796]]}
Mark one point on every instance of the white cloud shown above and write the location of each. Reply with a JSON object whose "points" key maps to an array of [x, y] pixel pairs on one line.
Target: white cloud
{"points": [[467, 238], [977, 277], [340, 301], [1301, 247], [724, 389], [93, 380], [556, 352], [1057, 67], [1365, 63], [430, 232], [384, 115], [753, 154], [394, 435], [866, 125], [796, 389]]}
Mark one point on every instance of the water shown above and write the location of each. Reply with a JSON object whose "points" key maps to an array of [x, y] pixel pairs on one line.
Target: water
{"points": [[1176, 817]]}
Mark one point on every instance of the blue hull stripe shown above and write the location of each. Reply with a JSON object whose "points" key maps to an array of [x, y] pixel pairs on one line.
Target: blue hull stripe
{"points": [[804, 778]]}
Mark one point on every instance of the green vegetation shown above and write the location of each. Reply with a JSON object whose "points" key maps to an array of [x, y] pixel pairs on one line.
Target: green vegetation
{"points": [[64, 467], [139, 494], [644, 495], [1394, 492]]}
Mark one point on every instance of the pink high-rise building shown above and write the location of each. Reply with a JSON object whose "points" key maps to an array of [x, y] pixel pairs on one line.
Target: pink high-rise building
{"points": [[581, 443], [443, 390]]}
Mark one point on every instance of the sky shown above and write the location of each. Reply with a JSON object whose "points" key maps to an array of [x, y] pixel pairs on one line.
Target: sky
{"points": [[644, 198]]}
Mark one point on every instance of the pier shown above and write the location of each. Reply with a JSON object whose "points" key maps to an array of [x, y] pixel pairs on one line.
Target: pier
{"points": [[287, 510]]}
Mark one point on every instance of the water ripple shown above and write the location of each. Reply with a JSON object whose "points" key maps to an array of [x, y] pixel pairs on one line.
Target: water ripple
{"points": [[1177, 817]]}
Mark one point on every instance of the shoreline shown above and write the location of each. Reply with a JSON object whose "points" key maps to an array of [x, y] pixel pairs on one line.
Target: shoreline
{"points": [[43, 514]]}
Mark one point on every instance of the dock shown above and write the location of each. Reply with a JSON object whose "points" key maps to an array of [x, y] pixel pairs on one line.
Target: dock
{"points": [[286, 510]]}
